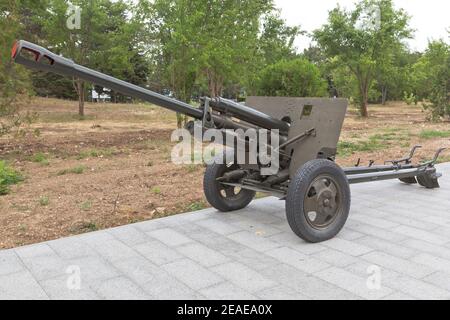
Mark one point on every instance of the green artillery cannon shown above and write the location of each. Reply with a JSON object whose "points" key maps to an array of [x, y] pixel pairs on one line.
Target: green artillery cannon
{"points": [[315, 188]]}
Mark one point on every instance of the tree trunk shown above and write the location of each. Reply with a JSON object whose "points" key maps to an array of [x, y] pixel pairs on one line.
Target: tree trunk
{"points": [[384, 92], [81, 97], [364, 105], [364, 101]]}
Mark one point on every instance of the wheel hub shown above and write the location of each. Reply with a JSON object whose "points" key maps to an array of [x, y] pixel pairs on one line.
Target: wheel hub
{"points": [[322, 202]]}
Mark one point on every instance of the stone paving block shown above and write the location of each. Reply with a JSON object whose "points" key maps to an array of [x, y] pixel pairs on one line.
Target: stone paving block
{"points": [[375, 231], [45, 266], [120, 288], [169, 237], [256, 227], [397, 264], [335, 258], [91, 269], [281, 293], [166, 287], [10, 263], [157, 252], [264, 214], [291, 240], [440, 279], [202, 254], [365, 269], [305, 284], [437, 221], [350, 235], [387, 246], [298, 260], [351, 282], [149, 225], [41, 249], [253, 259], [442, 231], [192, 274], [226, 291], [412, 222], [129, 235], [220, 243], [218, 226], [139, 269], [421, 235], [243, 277], [432, 262], [398, 296], [97, 237], [113, 250], [417, 288], [59, 289], [439, 251], [253, 241], [376, 222], [348, 247], [71, 248], [21, 285]]}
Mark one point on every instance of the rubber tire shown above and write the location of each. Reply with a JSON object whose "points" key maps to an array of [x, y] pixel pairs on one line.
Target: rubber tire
{"points": [[299, 187], [213, 193]]}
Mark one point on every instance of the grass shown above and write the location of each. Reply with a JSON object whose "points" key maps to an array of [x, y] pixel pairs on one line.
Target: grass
{"points": [[44, 201], [75, 170], [443, 159], [346, 148], [195, 206], [84, 227], [156, 190], [373, 143], [432, 134], [96, 153], [8, 177], [86, 205], [40, 158]]}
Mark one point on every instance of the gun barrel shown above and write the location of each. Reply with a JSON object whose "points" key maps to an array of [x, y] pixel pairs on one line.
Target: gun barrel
{"points": [[249, 115], [45, 60], [42, 59]]}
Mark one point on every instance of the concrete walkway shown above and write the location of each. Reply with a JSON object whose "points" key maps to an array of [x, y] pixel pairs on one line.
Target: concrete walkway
{"points": [[396, 245]]}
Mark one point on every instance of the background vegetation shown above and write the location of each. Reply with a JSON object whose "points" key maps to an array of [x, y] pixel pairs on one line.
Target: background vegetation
{"points": [[232, 48]]}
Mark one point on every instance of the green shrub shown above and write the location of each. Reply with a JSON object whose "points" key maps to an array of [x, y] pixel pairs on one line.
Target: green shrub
{"points": [[8, 177], [40, 158], [292, 78]]}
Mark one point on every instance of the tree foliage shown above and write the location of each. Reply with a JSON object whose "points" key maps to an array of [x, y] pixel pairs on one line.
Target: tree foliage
{"points": [[361, 39], [432, 76], [14, 80], [292, 78]]}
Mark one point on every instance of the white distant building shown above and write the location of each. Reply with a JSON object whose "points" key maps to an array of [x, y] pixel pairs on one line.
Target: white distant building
{"points": [[104, 97]]}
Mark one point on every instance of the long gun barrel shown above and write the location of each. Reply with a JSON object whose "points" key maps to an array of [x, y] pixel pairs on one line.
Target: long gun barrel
{"points": [[42, 59]]}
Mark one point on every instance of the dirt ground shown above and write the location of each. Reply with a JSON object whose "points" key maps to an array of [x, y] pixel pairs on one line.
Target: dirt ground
{"points": [[113, 167]]}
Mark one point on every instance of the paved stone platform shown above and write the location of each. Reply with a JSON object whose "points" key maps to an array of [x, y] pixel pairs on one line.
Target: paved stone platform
{"points": [[396, 245]]}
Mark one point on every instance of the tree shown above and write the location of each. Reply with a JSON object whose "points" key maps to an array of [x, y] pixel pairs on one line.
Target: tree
{"points": [[432, 71], [275, 43], [293, 78], [359, 40], [105, 39], [14, 80]]}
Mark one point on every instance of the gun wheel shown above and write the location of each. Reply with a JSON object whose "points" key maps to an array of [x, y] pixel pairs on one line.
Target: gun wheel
{"points": [[224, 198], [318, 201]]}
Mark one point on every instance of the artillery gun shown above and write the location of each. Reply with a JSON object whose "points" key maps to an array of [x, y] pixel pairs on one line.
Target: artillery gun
{"points": [[315, 188]]}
